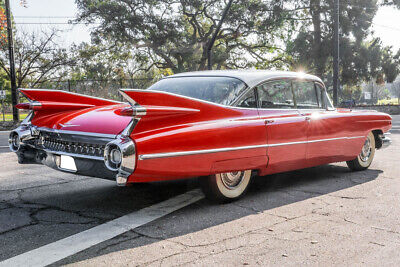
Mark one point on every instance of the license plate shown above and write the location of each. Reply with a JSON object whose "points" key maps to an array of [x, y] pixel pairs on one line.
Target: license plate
{"points": [[67, 163]]}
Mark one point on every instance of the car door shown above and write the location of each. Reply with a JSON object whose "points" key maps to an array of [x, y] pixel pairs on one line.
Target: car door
{"points": [[286, 128], [326, 131]]}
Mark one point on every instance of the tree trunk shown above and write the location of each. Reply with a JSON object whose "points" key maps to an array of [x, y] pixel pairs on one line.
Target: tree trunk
{"points": [[318, 58]]}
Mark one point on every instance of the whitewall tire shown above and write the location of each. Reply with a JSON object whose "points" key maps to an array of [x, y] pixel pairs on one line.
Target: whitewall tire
{"points": [[225, 187], [364, 159]]}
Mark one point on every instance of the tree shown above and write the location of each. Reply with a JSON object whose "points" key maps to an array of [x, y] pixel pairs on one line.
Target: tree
{"points": [[395, 89], [174, 34], [3, 25], [366, 61], [103, 68], [37, 59], [312, 47], [102, 62], [395, 3]]}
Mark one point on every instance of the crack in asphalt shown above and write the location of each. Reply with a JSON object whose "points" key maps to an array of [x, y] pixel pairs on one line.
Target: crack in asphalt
{"points": [[63, 181], [253, 231], [33, 212], [264, 229], [386, 230], [103, 249]]}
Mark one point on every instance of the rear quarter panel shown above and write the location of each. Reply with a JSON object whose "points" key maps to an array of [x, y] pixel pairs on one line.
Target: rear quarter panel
{"points": [[361, 123], [246, 129]]}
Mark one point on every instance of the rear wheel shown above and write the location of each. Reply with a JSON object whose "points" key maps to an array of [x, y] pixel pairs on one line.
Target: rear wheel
{"points": [[364, 159], [225, 187]]}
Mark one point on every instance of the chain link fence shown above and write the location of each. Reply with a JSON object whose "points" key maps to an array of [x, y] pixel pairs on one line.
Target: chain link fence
{"points": [[100, 88], [107, 89]]}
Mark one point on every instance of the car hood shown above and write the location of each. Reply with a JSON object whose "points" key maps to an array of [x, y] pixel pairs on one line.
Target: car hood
{"points": [[100, 119]]}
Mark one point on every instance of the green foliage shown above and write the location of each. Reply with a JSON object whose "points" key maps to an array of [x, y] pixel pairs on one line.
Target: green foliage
{"points": [[100, 62], [391, 101], [359, 60], [351, 92], [5, 85], [174, 35]]}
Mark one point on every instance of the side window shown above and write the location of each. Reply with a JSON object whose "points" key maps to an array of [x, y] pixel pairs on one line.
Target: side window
{"points": [[248, 100], [323, 98], [276, 94], [306, 95]]}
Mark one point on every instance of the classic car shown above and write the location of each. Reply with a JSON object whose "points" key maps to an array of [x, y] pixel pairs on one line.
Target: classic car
{"points": [[222, 126]]}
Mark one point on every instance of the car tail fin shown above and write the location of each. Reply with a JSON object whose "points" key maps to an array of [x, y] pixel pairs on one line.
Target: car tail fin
{"points": [[156, 103], [44, 99]]}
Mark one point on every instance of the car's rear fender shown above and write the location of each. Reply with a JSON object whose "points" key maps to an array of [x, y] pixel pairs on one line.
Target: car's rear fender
{"points": [[198, 149]]}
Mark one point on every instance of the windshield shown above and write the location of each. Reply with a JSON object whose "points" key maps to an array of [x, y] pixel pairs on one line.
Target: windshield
{"points": [[220, 90]]}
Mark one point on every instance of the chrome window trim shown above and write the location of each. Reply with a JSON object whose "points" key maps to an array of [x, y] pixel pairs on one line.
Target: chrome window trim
{"points": [[227, 149], [290, 79], [239, 97], [221, 105], [331, 108]]}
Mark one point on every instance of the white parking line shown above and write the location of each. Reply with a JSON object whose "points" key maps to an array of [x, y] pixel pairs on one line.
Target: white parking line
{"points": [[4, 146], [71, 245]]}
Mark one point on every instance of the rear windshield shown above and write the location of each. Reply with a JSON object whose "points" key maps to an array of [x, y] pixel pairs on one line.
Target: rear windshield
{"points": [[220, 90]]}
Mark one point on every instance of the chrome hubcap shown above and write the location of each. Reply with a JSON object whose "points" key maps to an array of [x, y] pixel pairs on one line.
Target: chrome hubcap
{"points": [[232, 180], [366, 151]]}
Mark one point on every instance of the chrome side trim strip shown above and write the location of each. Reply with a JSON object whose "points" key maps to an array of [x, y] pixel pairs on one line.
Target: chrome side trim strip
{"points": [[227, 149], [196, 152]]}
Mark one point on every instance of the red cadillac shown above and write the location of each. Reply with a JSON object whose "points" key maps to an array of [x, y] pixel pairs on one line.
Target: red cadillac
{"points": [[223, 126]]}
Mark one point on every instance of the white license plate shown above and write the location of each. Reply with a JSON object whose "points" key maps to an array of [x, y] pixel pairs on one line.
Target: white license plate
{"points": [[67, 163]]}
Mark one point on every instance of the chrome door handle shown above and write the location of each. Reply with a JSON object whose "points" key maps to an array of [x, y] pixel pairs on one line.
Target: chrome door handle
{"points": [[269, 121]]}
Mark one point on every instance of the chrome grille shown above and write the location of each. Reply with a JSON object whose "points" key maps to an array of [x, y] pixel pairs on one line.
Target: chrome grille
{"points": [[76, 144], [88, 149]]}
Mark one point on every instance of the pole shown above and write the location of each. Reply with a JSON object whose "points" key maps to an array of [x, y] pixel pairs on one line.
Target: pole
{"points": [[2, 109], [212, 41], [14, 93], [336, 82]]}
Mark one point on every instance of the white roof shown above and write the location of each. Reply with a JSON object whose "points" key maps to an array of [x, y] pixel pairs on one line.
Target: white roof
{"points": [[250, 77]]}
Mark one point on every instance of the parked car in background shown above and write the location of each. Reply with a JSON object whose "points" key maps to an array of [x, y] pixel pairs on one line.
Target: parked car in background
{"points": [[348, 103], [224, 126]]}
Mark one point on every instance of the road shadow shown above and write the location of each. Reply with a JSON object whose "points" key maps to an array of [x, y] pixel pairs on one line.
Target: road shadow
{"points": [[265, 193]]}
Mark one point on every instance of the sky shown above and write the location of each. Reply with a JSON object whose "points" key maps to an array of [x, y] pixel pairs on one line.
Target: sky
{"points": [[385, 25], [53, 11]]}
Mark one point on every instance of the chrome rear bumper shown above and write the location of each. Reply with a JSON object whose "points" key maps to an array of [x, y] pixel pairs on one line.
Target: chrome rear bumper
{"points": [[90, 151]]}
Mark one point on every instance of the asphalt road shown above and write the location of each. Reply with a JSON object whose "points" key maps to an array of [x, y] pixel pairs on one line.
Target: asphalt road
{"points": [[4, 141], [325, 215]]}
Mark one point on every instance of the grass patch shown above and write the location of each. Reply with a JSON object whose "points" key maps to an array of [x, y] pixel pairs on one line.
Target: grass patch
{"points": [[9, 116], [393, 101]]}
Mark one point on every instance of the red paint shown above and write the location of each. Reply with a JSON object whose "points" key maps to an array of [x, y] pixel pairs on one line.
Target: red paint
{"points": [[53, 106], [155, 111], [175, 124]]}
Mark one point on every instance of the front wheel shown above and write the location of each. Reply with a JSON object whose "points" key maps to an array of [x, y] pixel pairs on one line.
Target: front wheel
{"points": [[226, 187], [364, 159]]}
